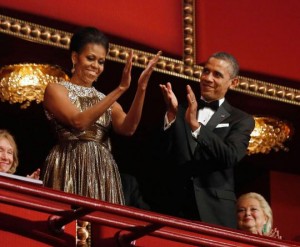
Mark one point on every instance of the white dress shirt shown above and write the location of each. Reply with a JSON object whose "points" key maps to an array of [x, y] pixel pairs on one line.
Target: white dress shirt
{"points": [[203, 117]]}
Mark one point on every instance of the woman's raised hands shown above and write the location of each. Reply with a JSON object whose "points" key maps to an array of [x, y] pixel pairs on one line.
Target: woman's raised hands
{"points": [[144, 77]]}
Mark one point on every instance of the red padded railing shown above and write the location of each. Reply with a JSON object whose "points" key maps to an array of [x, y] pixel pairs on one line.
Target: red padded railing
{"points": [[129, 223]]}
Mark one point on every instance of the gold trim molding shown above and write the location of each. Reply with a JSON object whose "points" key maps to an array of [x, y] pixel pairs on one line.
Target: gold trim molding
{"points": [[189, 28], [34, 32], [183, 69]]}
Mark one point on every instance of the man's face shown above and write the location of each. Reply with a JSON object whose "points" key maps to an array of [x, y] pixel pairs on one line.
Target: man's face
{"points": [[216, 79]]}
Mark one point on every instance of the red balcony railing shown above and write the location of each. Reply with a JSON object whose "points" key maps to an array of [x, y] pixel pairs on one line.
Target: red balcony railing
{"points": [[38, 216]]}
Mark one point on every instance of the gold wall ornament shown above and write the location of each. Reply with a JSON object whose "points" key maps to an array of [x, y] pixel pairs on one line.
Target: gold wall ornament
{"points": [[269, 134], [23, 83]]}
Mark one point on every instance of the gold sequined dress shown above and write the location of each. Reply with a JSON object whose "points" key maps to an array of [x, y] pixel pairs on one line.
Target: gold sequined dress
{"points": [[82, 162]]}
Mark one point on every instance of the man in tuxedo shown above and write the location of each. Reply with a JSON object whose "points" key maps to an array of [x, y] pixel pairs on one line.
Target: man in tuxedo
{"points": [[205, 138]]}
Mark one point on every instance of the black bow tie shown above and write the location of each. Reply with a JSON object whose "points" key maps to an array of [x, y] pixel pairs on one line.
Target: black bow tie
{"points": [[214, 105]]}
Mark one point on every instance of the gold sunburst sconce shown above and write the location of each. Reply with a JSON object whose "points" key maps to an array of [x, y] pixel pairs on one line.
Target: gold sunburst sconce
{"points": [[24, 83], [269, 134]]}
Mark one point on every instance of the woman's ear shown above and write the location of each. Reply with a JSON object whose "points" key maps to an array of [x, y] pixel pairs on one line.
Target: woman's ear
{"points": [[74, 57]]}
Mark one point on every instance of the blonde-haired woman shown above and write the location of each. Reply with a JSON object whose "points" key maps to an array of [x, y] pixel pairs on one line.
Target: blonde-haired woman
{"points": [[254, 215], [9, 155]]}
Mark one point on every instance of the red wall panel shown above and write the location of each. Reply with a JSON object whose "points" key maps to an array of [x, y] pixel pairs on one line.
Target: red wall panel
{"points": [[285, 203], [154, 23], [263, 35]]}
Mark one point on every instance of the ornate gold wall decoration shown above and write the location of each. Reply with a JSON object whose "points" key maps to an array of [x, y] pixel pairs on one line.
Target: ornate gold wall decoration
{"points": [[24, 83]]}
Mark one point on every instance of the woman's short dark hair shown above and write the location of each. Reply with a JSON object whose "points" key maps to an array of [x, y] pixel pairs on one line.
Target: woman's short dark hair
{"points": [[88, 35]]}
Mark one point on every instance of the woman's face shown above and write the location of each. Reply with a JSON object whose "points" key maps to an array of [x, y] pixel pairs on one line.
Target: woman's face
{"points": [[250, 215], [89, 64], [6, 155]]}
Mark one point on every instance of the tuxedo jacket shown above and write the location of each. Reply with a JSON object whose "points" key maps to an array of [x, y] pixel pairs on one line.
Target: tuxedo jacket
{"points": [[208, 161]]}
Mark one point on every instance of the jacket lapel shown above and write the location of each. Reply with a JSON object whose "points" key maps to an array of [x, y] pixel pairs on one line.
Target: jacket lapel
{"points": [[219, 116]]}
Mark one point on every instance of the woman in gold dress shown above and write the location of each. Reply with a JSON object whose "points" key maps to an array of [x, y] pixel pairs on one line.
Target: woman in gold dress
{"points": [[82, 162]]}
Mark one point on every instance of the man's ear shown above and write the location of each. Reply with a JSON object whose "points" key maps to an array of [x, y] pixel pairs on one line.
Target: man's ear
{"points": [[234, 82]]}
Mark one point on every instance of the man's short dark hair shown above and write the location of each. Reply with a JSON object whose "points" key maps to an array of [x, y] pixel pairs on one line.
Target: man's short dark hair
{"points": [[230, 59]]}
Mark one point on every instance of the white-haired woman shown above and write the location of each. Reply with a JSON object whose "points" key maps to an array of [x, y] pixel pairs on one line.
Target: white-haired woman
{"points": [[254, 215]]}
